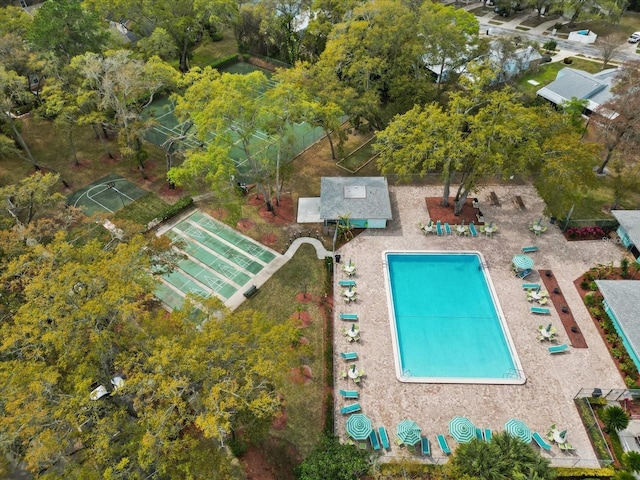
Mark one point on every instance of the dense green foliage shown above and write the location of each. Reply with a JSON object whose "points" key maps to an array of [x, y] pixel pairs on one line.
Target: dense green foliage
{"points": [[334, 460]]}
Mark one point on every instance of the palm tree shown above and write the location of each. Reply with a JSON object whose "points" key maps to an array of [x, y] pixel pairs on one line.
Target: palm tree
{"points": [[631, 460], [504, 457], [615, 418]]}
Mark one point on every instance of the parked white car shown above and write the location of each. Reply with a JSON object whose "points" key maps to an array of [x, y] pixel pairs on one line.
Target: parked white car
{"points": [[634, 38]]}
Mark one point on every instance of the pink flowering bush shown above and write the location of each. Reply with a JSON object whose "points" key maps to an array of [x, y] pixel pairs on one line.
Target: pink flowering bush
{"points": [[586, 232]]}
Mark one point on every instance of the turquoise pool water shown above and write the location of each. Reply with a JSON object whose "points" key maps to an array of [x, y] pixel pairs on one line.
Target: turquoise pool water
{"points": [[446, 321]]}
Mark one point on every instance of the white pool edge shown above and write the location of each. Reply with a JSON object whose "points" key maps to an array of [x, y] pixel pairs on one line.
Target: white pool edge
{"points": [[520, 380]]}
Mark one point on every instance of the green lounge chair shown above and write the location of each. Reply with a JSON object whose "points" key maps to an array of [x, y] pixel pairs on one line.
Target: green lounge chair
{"points": [[558, 348], [384, 438], [373, 438], [479, 434], [349, 317], [354, 407], [529, 249], [541, 310], [347, 283], [425, 446], [349, 355], [487, 434], [447, 228], [567, 447], [540, 441], [472, 230], [530, 286], [439, 228], [444, 446], [349, 394]]}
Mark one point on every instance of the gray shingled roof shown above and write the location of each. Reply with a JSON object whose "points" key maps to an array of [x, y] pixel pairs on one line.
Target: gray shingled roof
{"points": [[629, 220], [358, 197], [623, 297], [569, 83]]}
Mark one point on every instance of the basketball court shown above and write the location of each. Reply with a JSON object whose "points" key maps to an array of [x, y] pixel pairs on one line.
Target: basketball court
{"points": [[106, 195]]}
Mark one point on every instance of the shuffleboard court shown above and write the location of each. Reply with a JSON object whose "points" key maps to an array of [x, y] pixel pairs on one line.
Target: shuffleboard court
{"points": [[218, 261]]}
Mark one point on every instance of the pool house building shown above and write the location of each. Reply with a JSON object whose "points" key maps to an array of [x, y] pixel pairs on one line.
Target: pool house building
{"points": [[621, 298], [364, 200], [629, 229]]}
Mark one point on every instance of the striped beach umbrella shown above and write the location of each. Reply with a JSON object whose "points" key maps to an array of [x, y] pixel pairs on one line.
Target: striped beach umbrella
{"points": [[461, 429], [359, 426], [518, 428], [408, 432], [522, 262]]}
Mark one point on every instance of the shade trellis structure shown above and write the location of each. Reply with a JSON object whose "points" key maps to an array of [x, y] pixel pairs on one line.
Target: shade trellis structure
{"points": [[359, 426], [408, 432], [462, 429], [519, 429], [522, 262]]}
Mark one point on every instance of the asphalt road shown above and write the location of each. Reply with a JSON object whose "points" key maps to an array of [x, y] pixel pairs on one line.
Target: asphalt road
{"points": [[627, 52]]}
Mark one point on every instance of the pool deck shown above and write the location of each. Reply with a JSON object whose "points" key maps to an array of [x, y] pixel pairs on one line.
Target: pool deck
{"points": [[552, 380]]}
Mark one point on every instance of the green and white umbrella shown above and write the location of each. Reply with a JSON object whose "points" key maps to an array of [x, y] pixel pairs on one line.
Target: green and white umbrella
{"points": [[408, 432], [462, 430], [518, 428], [522, 262], [359, 426]]}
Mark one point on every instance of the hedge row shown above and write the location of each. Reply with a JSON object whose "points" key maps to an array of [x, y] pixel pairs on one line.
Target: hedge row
{"points": [[225, 61]]}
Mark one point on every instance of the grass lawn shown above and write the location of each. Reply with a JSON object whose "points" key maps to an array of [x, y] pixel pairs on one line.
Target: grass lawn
{"points": [[547, 73], [629, 23], [277, 299], [208, 50]]}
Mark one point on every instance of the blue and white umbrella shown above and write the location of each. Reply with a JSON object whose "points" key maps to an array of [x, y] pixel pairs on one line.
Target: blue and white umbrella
{"points": [[359, 426], [462, 429], [522, 262], [408, 432], [519, 429]]}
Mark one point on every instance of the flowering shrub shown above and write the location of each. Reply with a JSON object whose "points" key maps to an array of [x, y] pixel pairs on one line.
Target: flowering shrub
{"points": [[585, 232]]}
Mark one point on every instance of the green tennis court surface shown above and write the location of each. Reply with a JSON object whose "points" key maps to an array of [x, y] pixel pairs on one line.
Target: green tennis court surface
{"points": [[107, 195], [218, 261]]}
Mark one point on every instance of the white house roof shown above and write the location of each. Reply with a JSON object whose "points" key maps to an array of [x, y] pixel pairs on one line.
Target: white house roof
{"points": [[629, 220], [570, 83], [358, 197]]}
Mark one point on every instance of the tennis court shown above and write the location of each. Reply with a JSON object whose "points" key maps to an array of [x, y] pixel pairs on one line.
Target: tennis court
{"points": [[218, 261], [170, 131], [106, 195]]}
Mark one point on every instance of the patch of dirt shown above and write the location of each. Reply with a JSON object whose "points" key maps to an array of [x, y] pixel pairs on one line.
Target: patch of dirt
{"points": [[304, 341], [245, 224], [82, 163], [168, 193], [446, 215], [114, 158], [280, 421], [301, 375], [256, 466], [282, 214], [304, 297], [218, 213], [576, 339], [269, 239], [303, 318]]}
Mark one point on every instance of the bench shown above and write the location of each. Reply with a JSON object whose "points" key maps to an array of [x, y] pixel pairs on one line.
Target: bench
{"points": [[349, 317], [347, 283], [529, 249], [558, 348], [540, 310], [251, 291], [355, 407], [518, 201], [493, 198]]}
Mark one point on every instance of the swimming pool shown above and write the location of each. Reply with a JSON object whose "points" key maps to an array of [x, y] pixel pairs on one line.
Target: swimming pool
{"points": [[446, 322]]}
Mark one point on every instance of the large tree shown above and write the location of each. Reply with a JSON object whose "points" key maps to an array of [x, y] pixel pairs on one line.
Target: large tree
{"points": [[121, 87], [479, 134], [185, 21], [66, 28], [503, 457], [167, 389], [617, 122]]}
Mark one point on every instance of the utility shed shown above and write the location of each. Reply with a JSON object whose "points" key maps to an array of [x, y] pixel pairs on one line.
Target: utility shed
{"points": [[365, 200]]}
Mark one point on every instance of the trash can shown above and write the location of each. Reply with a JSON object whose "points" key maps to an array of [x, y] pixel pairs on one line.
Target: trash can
{"points": [[338, 257], [552, 220]]}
